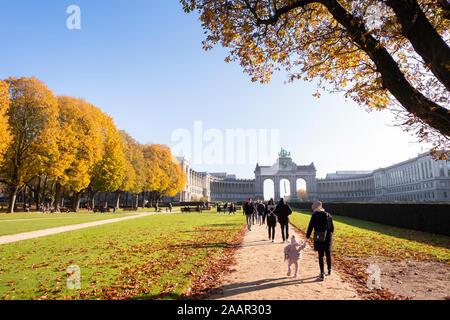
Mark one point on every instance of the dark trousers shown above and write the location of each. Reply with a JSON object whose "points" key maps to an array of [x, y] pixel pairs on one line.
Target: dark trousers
{"points": [[321, 254], [285, 231], [271, 232]]}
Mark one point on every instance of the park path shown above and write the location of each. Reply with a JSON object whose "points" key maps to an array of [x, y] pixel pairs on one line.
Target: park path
{"points": [[260, 273], [46, 232]]}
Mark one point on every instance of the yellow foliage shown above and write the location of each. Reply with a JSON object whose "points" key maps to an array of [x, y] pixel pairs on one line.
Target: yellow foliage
{"points": [[5, 136]]}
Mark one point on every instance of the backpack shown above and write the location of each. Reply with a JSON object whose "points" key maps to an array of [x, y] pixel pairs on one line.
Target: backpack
{"points": [[321, 236]]}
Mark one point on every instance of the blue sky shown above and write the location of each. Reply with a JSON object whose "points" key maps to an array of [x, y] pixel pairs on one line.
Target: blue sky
{"points": [[142, 63]]}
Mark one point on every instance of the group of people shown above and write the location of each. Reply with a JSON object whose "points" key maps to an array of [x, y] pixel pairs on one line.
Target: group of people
{"points": [[260, 213], [321, 223], [230, 208]]}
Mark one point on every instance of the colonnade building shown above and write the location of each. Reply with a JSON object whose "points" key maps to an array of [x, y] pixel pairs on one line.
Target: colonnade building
{"points": [[421, 179]]}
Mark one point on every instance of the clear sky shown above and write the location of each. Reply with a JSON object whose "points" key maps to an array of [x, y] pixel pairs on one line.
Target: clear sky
{"points": [[142, 62]]}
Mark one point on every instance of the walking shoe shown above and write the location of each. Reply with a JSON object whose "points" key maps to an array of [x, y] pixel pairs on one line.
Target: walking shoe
{"points": [[273, 241], [329, 272], [289, 273], [296, 275], [321, 277]]}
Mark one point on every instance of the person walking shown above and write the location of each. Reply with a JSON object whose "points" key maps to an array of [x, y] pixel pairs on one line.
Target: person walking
{"points": [[282, 211], [322, 224], [260, 208], [225, 208], [271, 219], [232, 208], [249, 210], [292, 254]]}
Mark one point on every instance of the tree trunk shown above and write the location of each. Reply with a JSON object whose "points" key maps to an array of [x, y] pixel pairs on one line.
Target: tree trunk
{"points": [[105, 202], [92, 200], [76, 201], [12, 198], [58, 190], [117, 200], [136, 202]]}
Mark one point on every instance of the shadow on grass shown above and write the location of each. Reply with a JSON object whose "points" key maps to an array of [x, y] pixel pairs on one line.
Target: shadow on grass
{"points": [[397, 232]]}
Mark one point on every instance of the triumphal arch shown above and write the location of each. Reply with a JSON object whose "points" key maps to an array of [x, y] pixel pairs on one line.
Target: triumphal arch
{"points": [[285, 168]]}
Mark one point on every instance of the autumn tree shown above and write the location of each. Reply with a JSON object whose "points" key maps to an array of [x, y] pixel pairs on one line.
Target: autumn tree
{"points": [[109, 172], [134, 174], [5, 136], [302, 195], [391, 54], [32, 121], [164, 176], [80, 147]]}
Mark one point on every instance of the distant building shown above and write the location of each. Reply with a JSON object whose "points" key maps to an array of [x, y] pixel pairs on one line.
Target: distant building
{"points": [[419, 179]]}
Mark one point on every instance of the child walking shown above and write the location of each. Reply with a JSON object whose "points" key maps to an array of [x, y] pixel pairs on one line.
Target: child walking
{"points": [[292, 254]]}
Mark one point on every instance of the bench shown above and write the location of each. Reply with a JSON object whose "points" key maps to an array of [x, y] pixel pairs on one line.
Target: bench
{"points": [[129, 208]]}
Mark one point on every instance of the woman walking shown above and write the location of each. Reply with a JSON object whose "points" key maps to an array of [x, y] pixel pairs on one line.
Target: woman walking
{"points": [[282, 211], [271, 219], [322, 223]]}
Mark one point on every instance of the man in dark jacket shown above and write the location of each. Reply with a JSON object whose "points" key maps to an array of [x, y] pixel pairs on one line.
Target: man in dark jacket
{"points": [[321, 221], [282, 212], [249, 210]]}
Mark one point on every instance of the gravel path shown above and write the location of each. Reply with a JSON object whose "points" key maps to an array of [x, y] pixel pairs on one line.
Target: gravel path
{"points": [[46, 232], [260, 273]]}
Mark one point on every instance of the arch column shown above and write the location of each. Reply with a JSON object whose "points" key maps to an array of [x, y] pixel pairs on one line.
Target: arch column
{"points": [[276, 187], [293, 185]]}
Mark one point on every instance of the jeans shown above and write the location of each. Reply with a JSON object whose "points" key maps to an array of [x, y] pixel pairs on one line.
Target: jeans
{"points": [[285, 231], [321, 254], [271, 232], [249, 221]]}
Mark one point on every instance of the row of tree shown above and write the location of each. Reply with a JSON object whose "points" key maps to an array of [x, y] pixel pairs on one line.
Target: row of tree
{"points": [[52, 146]]}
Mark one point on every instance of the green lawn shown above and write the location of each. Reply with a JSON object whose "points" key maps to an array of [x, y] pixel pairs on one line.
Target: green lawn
{"points": [[359, 238], [37, 221], [145, 258]]}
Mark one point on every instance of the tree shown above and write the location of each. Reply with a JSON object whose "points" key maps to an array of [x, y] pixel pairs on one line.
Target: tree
{"points": [[79, 148], [382, 54], [134, 180], [5, 136], [164, 176], [109, 172], [302, 195], [32, 121]]}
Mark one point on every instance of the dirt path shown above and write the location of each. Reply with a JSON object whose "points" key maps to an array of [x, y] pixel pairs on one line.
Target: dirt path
{"points": [[45, 232], [260, 273]]}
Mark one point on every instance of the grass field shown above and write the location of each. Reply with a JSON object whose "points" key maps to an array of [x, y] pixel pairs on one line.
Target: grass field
{"points": [[145, 258], [359, 238], [20, 222]]}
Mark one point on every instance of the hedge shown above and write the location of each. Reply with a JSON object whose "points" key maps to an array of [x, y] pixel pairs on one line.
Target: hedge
{"points": [[428, 217]]}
